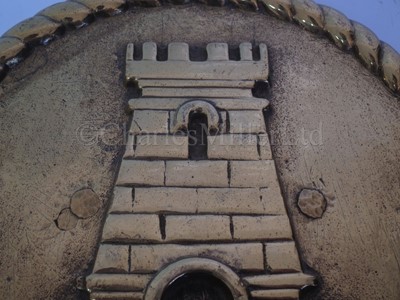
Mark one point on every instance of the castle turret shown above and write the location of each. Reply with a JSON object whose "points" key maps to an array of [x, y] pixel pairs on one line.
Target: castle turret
{"points": [[197, 194]]}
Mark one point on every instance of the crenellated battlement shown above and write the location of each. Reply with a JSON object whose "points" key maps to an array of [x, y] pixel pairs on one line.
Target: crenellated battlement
{"points": [[217, 67], [197, 189]]}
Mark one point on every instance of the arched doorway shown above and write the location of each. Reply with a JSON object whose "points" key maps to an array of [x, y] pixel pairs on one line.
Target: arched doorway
{"points": [[197, 285], [205, 276]]}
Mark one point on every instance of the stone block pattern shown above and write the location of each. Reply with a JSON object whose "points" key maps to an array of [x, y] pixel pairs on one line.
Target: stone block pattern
{"points": [[233, 146], [228, 208], [116, 296], [131, 228], [197, 173], [198, 228], [117, 282], [261, 227], [150, 258], [149, 121], [165, 207], [237, 201], [135, 172], [112, 259], [246, 121], [161, 146]]}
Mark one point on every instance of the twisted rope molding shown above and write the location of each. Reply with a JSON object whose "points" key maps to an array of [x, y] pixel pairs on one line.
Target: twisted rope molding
{"points": [[377, 56]]}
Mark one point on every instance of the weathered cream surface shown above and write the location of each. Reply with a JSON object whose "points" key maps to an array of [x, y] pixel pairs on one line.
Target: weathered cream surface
{"points": [[149, 121], [199, 92], [179, 211], [131, 228], [280, 257], [265, 147], [174, 103], [197, 228], [150, 258], [196, 173], [181, 117], [272, 199], [217, 67], [288, 294], [184, 83], [312, 83], [114, 258], [280, 280], [265, 227], [164, 146], [117, 296], [121, 200], [233, 146], [130, 146], [125, 282], [253, 173], [206, 200], [239, 121], [141, 172]]}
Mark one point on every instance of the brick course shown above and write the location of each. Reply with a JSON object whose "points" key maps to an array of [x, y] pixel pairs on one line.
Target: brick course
{"points": [[282, 257], [197, 173], [117, 282], [149, 121], [286, 294], [297, 280], [233, 146], [116, 296], [273, 200], [140, 172], [150, 258], [228, 208], [131, 228], [265, 147], [197, 228], [246, 121], [112, 259], [161, 146], [261, 227], [203, 200], [122, 200], [253, 173]]}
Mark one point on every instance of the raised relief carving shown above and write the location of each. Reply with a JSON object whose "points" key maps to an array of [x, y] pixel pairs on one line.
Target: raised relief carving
{"points": [[204, 216], [312, 203]]}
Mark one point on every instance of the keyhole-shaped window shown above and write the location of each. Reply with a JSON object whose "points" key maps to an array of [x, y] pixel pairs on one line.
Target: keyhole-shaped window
{"points": [[197, 134]]}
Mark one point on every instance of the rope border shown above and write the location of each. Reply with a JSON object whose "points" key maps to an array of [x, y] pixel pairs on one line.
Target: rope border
{"points": [[350, 36]]}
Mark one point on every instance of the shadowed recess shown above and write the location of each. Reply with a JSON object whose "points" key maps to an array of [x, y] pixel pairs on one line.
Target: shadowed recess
{"points": [[197, 285], [197, 133]]}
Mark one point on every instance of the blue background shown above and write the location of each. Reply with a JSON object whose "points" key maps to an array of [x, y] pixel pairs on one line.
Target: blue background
{"points": [[382, 16]]}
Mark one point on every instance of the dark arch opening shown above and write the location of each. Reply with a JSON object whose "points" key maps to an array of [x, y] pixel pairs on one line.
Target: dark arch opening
{"points": [[197, 286], [197, 134]]}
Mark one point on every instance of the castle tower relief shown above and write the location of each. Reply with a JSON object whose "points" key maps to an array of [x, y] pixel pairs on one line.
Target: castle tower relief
{"points": [[197, 202]]}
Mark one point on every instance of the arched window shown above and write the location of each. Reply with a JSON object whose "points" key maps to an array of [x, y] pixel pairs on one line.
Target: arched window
{"points": [[197, 134], [199, 118]]}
